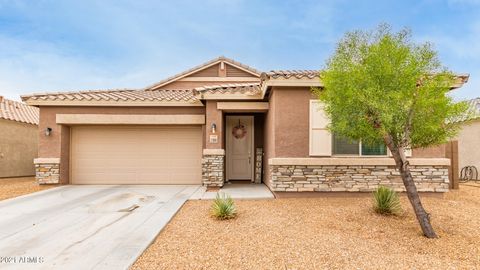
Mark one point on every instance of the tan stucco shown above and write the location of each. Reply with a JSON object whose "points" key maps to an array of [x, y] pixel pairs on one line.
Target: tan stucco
{"points": [[57, 145], [269, 137], [291, 121], [50, 146], [18, 148], [289, 115], [243, 106], [135, 119], [469, 145], [214, 116], [430, 152]]}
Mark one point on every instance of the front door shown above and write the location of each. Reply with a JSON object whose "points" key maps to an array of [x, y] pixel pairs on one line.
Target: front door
{"points": [[239, 147]]}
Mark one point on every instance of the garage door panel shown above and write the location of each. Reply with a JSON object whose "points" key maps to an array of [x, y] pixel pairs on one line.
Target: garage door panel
{"points": [[136, 155]]}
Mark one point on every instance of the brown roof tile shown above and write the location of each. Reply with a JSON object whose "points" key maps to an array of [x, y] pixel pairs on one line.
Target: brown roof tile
{"points": [[287, 74], [232, 88], [17, 111], [116, 95]]}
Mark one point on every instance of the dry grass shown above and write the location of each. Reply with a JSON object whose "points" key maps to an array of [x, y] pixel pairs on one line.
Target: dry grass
{"points": [[13, 187], [316, 233]]}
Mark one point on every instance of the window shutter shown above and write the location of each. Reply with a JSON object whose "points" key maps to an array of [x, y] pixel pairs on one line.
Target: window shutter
{"points": [[320, 137]]}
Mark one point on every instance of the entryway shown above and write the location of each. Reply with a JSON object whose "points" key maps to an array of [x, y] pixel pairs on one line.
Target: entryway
{"points": [[239, 146]]}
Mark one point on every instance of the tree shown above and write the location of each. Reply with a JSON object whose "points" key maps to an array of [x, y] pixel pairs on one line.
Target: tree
{"points": [[380, 87]]}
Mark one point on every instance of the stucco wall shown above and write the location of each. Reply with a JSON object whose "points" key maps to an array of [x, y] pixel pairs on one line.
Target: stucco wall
{"points": [[430, 152], [18, 148], [292, 121], [51, 146], [213, 116], [57, 145], [469, 145], [289, 115], [269, 138]]}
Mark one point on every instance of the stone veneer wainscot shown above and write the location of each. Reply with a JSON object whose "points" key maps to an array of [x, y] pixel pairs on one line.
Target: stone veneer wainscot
{"points": [[213, 167], [355, 175], [47, 170]]}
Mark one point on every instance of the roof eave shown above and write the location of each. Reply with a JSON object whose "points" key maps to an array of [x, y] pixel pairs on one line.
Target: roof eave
{"points": [[212, 96], [114, 103]]}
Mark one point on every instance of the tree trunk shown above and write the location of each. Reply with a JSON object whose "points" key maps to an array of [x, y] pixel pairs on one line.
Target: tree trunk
{"points": [[403, 166]]}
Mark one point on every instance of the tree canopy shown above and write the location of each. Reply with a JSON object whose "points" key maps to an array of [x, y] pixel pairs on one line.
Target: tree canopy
{"points": [[381, 82]]}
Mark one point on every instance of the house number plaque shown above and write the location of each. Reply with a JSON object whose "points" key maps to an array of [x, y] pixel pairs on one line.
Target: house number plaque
{"points": [[213, 138]]}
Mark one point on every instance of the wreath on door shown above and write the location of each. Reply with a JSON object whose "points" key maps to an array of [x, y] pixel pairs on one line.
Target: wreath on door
{"points": [[239, 131]]}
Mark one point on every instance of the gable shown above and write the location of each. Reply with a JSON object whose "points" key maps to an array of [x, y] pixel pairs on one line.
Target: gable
{"points": [[208, 72], [232, 71], [217, 71]]}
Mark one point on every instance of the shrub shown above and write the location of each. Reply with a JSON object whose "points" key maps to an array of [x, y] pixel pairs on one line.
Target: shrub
{"points": [[387, 201], [223, 207]]}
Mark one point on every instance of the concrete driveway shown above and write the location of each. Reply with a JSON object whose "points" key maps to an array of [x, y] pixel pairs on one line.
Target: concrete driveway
{"points": [[85, 227]]}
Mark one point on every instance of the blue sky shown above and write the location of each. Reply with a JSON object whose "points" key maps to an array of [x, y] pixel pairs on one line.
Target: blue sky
{"points": [[77, 45]]}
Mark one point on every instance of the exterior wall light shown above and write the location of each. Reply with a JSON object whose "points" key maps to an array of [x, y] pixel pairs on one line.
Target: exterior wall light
{"points": [[214, 128], [48, 131]]}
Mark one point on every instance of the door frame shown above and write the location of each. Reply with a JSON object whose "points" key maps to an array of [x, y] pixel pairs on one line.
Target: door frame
{"points": [[252, 148]]}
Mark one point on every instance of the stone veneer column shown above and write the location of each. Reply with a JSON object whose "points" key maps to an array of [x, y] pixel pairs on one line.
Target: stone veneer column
{"points": [[47, 170], [213, 167]]}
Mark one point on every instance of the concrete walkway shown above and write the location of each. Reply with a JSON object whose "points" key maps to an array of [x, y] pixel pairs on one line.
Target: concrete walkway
{"points": [[236, 191], [85, 227]]}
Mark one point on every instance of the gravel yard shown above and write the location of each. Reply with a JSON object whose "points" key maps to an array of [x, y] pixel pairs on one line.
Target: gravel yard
{"points": [[313, 233], [13, 187]]}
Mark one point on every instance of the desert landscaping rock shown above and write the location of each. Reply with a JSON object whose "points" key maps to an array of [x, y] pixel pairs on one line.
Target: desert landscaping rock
{"points": [[320, 233], [13, 187]]}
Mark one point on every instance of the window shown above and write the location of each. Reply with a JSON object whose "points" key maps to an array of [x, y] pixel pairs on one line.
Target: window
{"points": [[345, 146], [374, 150], [323, 144]]}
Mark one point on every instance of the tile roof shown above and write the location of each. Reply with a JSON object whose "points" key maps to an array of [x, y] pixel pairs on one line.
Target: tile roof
{"points": [[116, 95], [17, 111], [310, 74], [287, 74], [232, 88], [199, 67]]}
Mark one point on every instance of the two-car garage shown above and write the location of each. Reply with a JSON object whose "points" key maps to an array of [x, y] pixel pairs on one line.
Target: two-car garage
{"points": [[136, 155]]}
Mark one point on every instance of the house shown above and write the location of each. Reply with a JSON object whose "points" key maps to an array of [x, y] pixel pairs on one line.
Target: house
{"points": [[469, 138], [217, 122], [18, 138]]}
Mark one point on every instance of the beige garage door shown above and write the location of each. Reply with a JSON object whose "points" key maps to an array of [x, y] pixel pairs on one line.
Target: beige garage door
{"points": [[136, 155]]}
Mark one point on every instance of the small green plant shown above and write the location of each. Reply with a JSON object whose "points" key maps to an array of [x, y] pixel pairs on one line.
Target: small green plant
{"points": [[223, 207], [387, 201]]}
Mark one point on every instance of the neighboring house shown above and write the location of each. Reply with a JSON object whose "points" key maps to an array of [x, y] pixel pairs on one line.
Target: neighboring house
{"points": [[469, 137], [18, 138], [209, 125]]}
